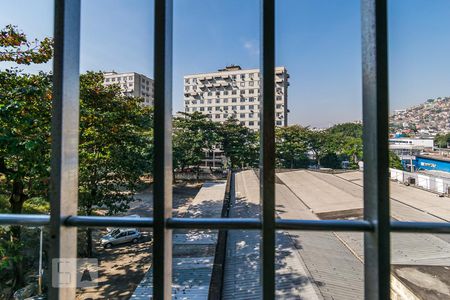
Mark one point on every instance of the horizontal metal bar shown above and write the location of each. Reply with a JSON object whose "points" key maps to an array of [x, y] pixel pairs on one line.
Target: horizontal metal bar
{"points": [[215, 223], [325, 225], [226, 223], [423, 227], [92, 221], [24, 219]]}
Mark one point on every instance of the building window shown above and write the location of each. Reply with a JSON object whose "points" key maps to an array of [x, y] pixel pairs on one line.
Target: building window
{"points": [[278, 106], [130, 77], [251, 107], [242, 84], [279, 123], [186, 81], [251, 83], [251, 91], [209, 93], [113, 79], [242, 99], [279, 98], [217, 100], [107, 80], [234, 100], [225, 116], [209, 108], [225, 92], [225, 108], [225, 100], [242, 76], [233, 92], [242, 107], [209, 101], [202, 109], [251, 123], [202, 101], [218, 116], [242, 92], [242, 116], [233, 108], [251, 99], [217, 108]]}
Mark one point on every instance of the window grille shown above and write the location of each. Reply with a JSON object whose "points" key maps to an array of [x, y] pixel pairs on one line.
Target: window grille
{"points": [[63, 220]]}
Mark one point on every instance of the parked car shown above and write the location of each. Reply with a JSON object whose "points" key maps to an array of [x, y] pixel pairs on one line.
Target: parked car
{"points": [[120, 236]]}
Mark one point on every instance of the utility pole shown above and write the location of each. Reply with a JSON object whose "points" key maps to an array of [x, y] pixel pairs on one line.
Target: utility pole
{"points": [[40, 261]]}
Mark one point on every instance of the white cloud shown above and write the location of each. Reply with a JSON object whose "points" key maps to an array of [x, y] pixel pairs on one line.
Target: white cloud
{"points": [[251, 46]]}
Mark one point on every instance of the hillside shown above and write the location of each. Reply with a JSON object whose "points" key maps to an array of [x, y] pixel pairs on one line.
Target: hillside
{"points": [[430, 117]]}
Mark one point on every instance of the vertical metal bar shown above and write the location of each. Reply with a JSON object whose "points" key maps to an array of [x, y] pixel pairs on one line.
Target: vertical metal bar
{"points": [[267, 160], [376, 150], [162, 247], [64, 160]]}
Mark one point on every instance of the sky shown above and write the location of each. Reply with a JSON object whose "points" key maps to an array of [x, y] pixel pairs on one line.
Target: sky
{"points": [[318, 41]]}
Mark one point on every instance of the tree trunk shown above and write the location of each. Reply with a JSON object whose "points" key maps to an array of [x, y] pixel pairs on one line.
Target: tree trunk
{"points": [[89, 242], [16, 201]]}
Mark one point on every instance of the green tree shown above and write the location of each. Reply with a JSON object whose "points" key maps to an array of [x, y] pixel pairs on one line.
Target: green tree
{"points": [[394, 161], [115, 147], [240, 144], [193, 135], [318, 143], [354, 130], [442, 140], [16, 47], [25, 105], [346, 141], [292, 146]]}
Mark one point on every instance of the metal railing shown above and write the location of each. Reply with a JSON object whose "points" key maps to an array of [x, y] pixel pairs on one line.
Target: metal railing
{"points": [[64, 166]]}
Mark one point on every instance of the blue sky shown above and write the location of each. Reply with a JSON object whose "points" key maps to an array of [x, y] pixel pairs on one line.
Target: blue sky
{"points": [[317, 40]]}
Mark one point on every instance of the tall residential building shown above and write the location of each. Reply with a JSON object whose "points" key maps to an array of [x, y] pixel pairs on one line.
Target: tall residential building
{"points": [[132, 84], [234, 92]]}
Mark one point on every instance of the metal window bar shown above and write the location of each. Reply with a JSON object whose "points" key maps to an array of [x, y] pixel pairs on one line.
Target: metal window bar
{"points": [[267, 149], [63, 220], [162, 246], [64, 160], [377, 266], [229, 223]]}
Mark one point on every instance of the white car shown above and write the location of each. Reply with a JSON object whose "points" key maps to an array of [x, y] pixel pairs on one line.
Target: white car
{"points": [[121, 236]]}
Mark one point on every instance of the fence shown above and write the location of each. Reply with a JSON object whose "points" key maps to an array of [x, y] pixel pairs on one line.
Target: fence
{"points": [[428, 182]]}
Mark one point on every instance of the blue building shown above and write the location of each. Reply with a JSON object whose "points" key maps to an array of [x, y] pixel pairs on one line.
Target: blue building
{"points": [[431, 164]]}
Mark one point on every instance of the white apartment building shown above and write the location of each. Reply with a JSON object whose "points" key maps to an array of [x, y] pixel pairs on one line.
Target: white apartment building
{"points": [[132, 84], [234, 92]]}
